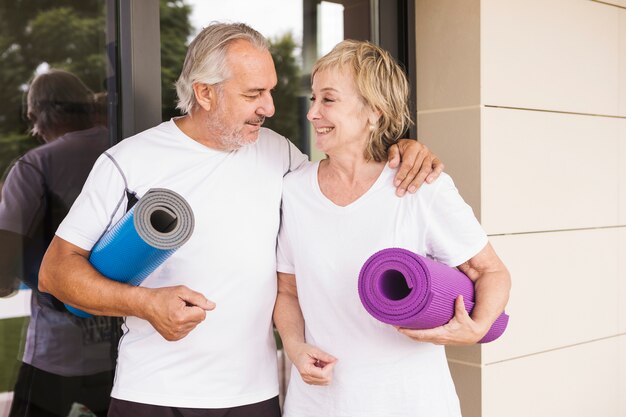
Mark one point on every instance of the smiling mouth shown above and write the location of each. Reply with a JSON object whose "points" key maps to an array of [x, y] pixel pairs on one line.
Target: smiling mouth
{"points": [[323, 130], [257, 122]]}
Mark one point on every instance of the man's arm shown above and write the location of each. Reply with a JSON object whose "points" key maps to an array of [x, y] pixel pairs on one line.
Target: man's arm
{"points": [[67, 274], [315, 366], [417, 164], [492, 284]]}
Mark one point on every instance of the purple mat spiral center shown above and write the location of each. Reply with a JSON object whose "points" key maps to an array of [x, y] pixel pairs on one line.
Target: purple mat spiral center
{"points": [[393, 285]]}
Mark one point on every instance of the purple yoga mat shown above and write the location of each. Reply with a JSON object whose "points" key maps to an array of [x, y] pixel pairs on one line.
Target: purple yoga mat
{"points": [[399, 287]]}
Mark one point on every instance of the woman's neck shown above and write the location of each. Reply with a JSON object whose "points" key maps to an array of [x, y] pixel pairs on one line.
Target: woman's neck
{"points": [[345, 178]]}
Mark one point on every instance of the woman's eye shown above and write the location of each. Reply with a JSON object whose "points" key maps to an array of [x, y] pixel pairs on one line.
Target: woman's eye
{"points": [[324, 100]]}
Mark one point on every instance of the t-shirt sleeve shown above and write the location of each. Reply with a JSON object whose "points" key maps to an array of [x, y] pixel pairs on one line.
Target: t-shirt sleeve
{"points": [[23, 198], [296, 158], [453, 234], [284, 253], [99, 205]]}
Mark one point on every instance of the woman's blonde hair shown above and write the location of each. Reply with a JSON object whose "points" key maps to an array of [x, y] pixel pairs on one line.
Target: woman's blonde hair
{"points": [[383, 86]]}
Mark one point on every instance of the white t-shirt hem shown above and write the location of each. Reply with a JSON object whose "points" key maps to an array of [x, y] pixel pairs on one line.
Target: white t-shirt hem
{"points": [[193, 402]]}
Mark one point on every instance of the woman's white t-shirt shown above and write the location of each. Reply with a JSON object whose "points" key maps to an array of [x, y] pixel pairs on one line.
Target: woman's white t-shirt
{"points": [[380, 372]]}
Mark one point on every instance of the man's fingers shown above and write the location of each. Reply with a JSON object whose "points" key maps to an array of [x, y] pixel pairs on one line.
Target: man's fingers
{"points": [[407, 173], [393, 156], [421, 176], [438, 168], [194, 298]]}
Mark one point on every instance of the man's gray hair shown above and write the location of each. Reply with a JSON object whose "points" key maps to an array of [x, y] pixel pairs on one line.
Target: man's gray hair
{"points": [[206, 58]]}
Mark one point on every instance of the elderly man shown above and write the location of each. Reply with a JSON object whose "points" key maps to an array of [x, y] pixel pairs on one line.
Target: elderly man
{"points": [[230, 170]]}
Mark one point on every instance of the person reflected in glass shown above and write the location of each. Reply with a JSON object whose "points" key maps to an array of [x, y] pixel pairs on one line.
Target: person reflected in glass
{"points": [[335, 215], [67, 361]]}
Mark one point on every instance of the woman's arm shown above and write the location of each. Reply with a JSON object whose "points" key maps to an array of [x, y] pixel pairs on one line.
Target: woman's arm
{"points": [[314, 365], [492, 284]]}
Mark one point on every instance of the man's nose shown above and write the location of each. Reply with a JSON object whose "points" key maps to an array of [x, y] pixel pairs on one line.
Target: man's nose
{"points": [[266, 108]]}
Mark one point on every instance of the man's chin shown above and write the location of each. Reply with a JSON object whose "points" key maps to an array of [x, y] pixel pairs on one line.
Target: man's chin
{"points": [[240, 142]]}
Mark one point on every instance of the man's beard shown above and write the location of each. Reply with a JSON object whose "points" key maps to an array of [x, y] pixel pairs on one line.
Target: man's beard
{"points": [[231, 138]]}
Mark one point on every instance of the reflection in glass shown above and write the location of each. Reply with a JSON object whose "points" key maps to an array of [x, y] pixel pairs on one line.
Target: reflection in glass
{"points": [[53, 126]]}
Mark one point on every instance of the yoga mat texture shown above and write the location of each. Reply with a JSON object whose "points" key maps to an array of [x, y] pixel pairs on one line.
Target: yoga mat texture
{"points": [[399, 287], [149, 233]]}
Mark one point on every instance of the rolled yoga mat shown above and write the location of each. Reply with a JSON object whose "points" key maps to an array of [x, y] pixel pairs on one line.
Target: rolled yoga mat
{"points": [[149, 233], [399, 287]]}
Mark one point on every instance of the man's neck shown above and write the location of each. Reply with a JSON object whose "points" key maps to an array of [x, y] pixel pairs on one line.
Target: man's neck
{"points": [[197, 130]]}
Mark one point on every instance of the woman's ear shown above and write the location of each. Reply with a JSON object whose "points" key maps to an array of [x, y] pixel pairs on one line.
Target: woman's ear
{"points": [[374, 116], [373, 121], [205, 95]]}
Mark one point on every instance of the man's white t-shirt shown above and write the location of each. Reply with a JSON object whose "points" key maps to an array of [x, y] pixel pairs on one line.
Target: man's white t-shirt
{"points": [[229, 359], [380, 372]]}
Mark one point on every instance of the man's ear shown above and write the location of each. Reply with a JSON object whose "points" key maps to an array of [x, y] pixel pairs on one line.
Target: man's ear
{"points": [[205, 95]]}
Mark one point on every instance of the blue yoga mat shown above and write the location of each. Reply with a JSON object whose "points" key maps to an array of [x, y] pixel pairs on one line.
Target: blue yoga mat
{"points": [[149, 233]]}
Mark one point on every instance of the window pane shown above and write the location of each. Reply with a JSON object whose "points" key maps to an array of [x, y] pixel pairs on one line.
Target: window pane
{"points": [[299, 31], [55, 78]]}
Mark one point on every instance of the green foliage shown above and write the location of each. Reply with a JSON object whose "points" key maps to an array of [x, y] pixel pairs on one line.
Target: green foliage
{"points": [[67, 34], [13, 332], [285, 94], [175, 30], [70, 34]]}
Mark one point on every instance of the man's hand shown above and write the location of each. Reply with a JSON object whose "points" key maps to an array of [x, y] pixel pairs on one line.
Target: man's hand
{"points": [[315, 366], [175, 311], [461, 330], [417, 164]]}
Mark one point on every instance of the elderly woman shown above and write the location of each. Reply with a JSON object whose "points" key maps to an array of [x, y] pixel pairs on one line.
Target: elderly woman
{"points": [[337, 213]]}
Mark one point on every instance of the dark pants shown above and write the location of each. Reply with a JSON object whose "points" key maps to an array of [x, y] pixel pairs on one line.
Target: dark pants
{"points": [[121, 408], [39, 393]]}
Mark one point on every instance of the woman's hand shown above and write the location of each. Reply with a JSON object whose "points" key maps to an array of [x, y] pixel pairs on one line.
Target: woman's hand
{"points": [[417, 164], [315, 366], [460, 330]]}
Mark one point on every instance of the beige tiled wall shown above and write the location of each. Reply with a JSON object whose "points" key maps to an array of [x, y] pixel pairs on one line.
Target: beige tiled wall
{"points": [[565, 292], [550, 54], [621, 3], [546, 164], [448, 54], [576, 381], [548, 132], [468, 376], [622, 58], [622, 377], [622, 285], [622, 171], [454, 135]]}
